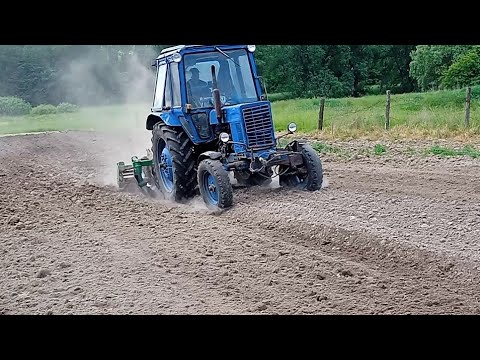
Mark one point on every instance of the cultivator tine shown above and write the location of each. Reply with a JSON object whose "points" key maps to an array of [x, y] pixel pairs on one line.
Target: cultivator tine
{"points": [[126, 175], [149, 154]]}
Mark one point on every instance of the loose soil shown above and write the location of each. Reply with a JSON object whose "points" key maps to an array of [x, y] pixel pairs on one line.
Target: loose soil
{"points": [[391, 234]]}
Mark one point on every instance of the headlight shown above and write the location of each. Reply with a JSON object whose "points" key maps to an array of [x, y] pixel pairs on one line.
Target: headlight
{"points": [[251, 48], [292, 127], [224, 137]]}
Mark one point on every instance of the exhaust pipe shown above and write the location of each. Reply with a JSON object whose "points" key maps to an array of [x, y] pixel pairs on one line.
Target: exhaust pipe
{"points": [[216, 95]]}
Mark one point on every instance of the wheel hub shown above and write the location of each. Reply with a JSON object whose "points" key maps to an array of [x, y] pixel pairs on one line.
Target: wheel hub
{"points": [[211, 188], [166, 169]]}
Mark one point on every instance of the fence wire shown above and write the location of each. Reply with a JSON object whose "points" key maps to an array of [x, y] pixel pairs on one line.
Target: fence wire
{"points": [[457, 114], [358, 111]]}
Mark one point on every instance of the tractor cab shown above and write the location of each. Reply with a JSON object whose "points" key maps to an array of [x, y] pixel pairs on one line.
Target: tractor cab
{"points": [[185, 82], [235, 79]]}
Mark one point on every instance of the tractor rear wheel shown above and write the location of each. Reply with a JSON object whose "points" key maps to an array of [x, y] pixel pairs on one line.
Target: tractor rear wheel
{"points": [[214, 184], [173, 163]]}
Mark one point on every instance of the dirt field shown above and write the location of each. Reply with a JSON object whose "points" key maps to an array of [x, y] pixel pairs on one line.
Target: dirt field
{"points": [[392, 234]]}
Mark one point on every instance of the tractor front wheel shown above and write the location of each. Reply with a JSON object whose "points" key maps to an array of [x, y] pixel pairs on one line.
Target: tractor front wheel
{"points": [[214, 184], [310, 176]]}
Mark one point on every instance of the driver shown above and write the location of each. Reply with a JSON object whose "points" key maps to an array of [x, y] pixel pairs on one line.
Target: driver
{"points": [[195, 79], [197, 88]]}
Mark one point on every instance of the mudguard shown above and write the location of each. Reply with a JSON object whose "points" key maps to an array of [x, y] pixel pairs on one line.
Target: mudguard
{"points": [[214, 155]]}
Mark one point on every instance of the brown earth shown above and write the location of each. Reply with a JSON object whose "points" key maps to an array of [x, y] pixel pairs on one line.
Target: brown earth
{"points": [[391, 234]]}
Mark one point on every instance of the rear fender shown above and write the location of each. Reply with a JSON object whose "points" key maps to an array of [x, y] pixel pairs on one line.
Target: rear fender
{"points": [[167, 118], [152, 119]]}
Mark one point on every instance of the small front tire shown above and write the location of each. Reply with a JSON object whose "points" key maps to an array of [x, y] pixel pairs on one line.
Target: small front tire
{"points": [[214, 184], [311, 178]]}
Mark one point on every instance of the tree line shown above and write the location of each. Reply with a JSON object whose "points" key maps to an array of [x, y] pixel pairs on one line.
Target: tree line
{"points": [[99, 74]]}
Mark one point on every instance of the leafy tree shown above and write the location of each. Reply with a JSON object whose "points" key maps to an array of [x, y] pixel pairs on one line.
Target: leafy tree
{"points": [[391, 64], [98, 74], [429, 62], [335, 70], [465, 71]]}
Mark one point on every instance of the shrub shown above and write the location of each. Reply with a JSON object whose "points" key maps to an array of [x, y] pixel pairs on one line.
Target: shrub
{"points": [[67, 108], [14, 106], [44, 109], [279, 96]]}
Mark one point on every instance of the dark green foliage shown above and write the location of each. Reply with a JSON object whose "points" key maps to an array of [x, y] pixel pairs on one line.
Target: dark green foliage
{"points": [[465, 71], [335, 70], [430, 62], [389, 67], [13, 106], [109, 74]]}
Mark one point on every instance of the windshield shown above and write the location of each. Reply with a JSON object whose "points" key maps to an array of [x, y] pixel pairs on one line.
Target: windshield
{"points": [[234, 78]]}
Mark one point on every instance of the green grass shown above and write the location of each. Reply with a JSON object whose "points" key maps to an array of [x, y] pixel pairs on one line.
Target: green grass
{"points": [[379, 149], [447, 152], [438, 114], [323, 148], [91, 118]]}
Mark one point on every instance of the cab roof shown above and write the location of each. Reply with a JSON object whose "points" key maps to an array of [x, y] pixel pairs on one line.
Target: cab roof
{"points": [[185, 48]]}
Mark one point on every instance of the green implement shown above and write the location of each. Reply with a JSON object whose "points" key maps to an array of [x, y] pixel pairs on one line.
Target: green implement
{"points": [[137, 174]]}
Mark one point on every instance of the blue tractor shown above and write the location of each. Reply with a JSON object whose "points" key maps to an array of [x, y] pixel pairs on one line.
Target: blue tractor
{"points": [[209, 118]]}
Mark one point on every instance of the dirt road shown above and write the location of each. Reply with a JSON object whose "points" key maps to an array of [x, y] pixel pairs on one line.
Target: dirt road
{"points": [[391, 234]]}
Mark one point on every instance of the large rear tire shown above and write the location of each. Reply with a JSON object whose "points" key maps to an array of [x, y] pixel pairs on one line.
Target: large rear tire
{"points": [[214, 185], [173, 163]]}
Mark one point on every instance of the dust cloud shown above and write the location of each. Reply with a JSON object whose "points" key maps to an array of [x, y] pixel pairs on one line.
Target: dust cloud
{"points": [[124, 91], [109, 75]]}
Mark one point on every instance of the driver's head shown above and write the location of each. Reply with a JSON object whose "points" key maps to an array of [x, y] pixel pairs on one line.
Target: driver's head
{"points": [[195, 73]]}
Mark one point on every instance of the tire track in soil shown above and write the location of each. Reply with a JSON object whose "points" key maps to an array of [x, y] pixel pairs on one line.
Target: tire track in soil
{"points": [[72, 247]]}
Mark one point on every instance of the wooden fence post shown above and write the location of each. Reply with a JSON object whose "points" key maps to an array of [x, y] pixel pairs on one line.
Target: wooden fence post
{"points": [[320, 113], [468, 98], [387, 111]]}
